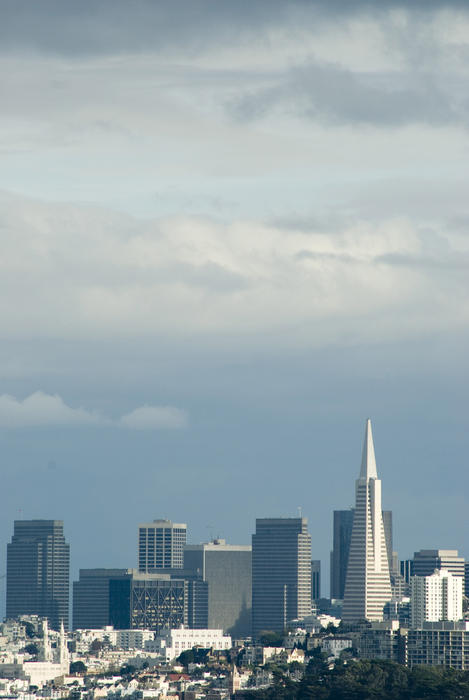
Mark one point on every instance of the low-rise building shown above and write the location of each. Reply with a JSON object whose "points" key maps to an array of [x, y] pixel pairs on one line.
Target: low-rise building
{"points": [[443, 643], [381, 640], [171, 643]]}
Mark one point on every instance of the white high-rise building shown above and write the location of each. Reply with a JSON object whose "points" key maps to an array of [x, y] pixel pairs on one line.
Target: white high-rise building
{"points": [[368, 584], [436, 597], [161, 545]]}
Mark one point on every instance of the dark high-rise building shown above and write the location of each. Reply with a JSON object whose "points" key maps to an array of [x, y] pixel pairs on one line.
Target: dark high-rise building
{"points": [[156, 601], [227, 570], [161, 545], [38, 566], [281, 573], [91, 598], [342, 534], [407, 569], [315, 579], [427, 560]]}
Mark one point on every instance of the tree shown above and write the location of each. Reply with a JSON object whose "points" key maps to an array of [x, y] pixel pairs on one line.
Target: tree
{"points": [[127, 670], [32, 649], [96, 646], [268, 638], [77, 667], [186, 657], [30, 630]]}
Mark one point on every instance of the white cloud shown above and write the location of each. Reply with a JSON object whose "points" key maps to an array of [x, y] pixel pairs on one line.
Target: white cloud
{"points": [[154, 418], [41, 410], [84, 273]]}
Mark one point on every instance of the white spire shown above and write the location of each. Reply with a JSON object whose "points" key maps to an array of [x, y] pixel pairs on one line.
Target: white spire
{"points": [[368, 469]]}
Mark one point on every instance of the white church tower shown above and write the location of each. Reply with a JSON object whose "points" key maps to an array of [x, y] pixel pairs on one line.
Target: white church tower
{"points": [[367, 584]]}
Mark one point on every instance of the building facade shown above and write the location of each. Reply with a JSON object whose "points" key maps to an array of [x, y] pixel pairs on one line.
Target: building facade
{"points": [[172, 642], [436, 597], [368, 583], [91, 598], [38, 571], [156, 601], [281, 573], [426, 561], [439, 644], [315, 579], [342, 536], [227, 569], [161, 545]]}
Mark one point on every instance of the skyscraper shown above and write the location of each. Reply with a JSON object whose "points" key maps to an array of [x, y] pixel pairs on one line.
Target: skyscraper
{"points": [[227, 570], [342, 535], [427, 560], [38, 565], [315, 579], [161, 545], [436, 597], [368, 584], [91, 597], [155, 601], [281, 573]]}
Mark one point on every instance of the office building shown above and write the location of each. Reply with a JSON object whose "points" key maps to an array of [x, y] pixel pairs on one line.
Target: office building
{"points": [[427, 560], [38, 568], [161, 545], [315, 579], [155, 601], [407, 569], [436, 597], [171, 643], [368, 584], [342, 535], [439, 644], [281, 573], [227, 570], [91, 598]]}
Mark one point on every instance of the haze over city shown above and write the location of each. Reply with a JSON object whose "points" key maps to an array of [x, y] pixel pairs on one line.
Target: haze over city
{"points": [[232, 232]]}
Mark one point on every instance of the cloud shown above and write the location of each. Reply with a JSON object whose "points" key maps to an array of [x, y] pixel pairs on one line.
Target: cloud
{"points": [[334, 96], [90, 274], [154, 418], [43, 410], [88, 27]]}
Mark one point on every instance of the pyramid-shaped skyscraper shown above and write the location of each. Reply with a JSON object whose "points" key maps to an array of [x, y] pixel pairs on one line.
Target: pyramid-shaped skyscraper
{"points": [[367, 585]]}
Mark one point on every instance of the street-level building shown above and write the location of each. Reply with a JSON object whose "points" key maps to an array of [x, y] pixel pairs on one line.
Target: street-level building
{"points": [[172, 642], [439, 644]]}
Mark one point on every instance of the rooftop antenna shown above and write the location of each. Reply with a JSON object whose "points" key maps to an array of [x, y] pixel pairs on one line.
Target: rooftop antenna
{"points": [[299, 512]]}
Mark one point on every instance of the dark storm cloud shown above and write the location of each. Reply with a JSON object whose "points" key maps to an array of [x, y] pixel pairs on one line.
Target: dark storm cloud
{"points": [[330, 94], [91, 26]]}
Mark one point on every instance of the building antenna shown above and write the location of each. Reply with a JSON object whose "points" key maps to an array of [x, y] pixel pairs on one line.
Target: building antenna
{"points": [[299, 512]]}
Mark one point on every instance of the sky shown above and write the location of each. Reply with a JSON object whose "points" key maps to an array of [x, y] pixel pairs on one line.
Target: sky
{"points": [[230, 233]]}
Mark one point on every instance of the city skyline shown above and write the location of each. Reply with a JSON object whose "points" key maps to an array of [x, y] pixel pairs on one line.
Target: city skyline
{"points": [[159, 522], [230, 232]]}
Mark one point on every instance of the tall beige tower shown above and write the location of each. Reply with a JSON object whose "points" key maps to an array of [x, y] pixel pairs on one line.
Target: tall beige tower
{"points": [[367, 585]]}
